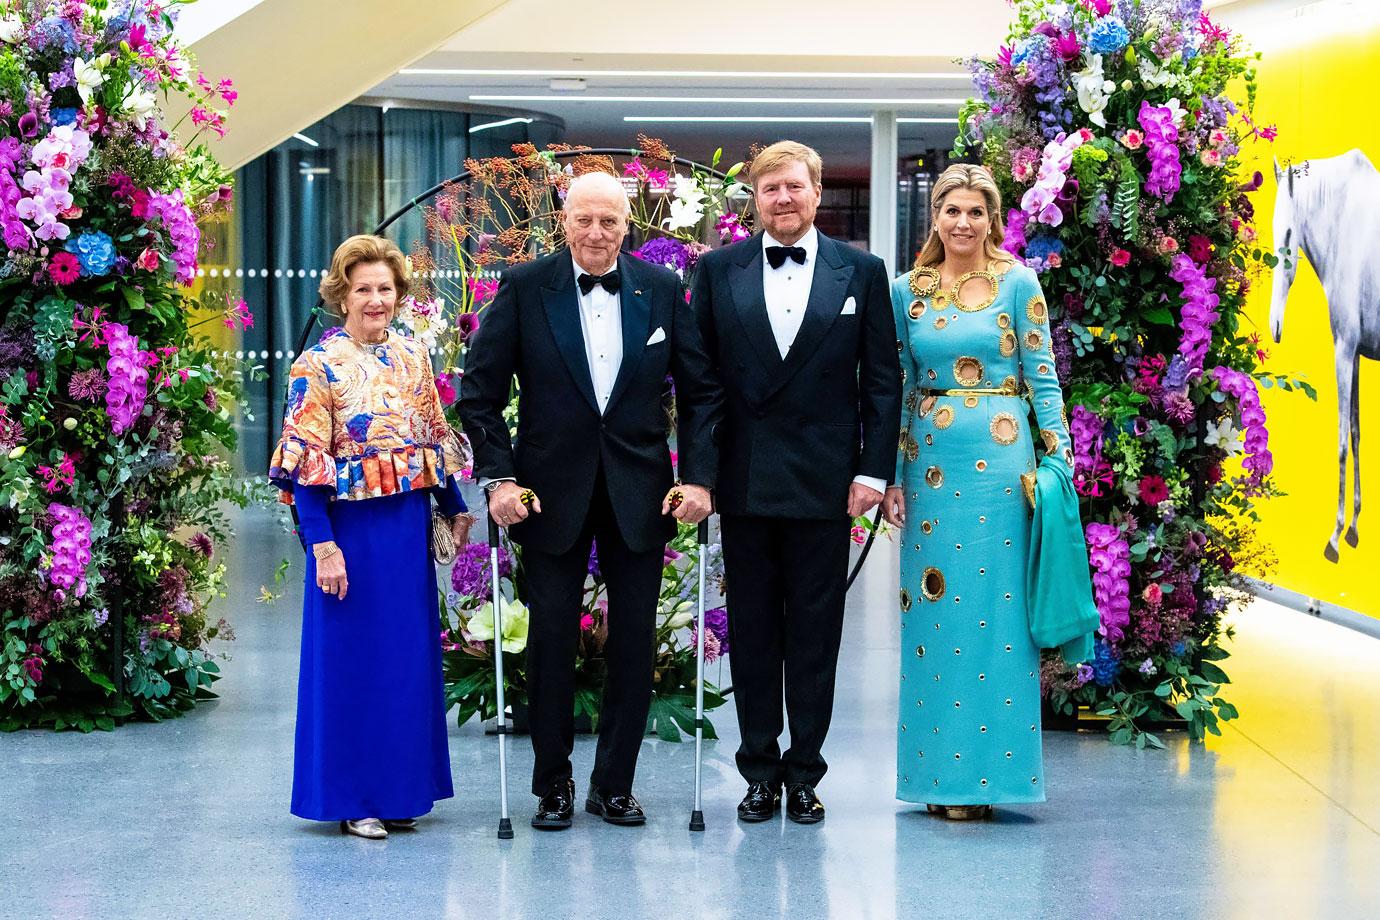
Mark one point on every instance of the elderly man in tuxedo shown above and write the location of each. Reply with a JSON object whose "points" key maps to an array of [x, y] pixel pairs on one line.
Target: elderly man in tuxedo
{"points": [[590, 335], [799, 327]]}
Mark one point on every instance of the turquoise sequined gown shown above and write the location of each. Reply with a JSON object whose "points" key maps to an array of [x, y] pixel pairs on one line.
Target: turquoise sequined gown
{"points": [[969, 717]]}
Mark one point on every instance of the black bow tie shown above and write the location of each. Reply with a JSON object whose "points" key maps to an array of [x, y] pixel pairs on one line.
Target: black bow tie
{"points": [[777, 255], [609, 280]]}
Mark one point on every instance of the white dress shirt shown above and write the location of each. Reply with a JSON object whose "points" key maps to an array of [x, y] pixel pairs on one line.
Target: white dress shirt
{"points": [[787, 291], [601, 321]]}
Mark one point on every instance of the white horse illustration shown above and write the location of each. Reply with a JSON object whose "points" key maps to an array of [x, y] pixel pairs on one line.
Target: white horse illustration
{"points": [[1329, 210]]}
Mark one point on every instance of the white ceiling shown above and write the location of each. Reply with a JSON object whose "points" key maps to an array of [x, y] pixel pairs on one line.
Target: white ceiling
{"points": [[784, 60]]}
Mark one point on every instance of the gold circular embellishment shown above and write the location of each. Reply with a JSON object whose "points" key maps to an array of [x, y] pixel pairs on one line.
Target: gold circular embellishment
{"points": [[1004, 320], [981, 465], [932, 374], [943, 417], [955, 291], [932, 584], [917, 309], [926, 528], [1036, 310], [1044, 368], [905, 600], [924, 280], [1003, 428], [1051, 440], [940, 323], [970, 401], [1007, 345], [934, 476], [1011, 387], [1033, 340], [927, 404], [968, 371]]}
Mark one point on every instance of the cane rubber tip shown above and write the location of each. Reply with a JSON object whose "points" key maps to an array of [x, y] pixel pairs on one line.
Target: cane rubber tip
{"points": [[505, 829], [697, 821]]}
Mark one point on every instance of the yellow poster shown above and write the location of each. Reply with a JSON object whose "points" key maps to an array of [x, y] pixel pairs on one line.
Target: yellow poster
{"points": [[1318, 313]]}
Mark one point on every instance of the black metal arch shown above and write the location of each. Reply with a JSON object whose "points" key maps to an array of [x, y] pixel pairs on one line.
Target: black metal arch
{"points": [[559, 155]]}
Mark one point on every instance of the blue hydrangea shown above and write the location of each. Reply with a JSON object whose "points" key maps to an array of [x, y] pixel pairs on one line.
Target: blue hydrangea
{"points": [[1108, 36], [1106, 665], [63, 116], [55, 32], [1042, 247], [95, 251]]}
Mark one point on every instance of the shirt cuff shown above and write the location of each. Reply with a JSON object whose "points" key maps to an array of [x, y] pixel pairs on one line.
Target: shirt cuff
{"points": [[872, 482], [484, 481]]}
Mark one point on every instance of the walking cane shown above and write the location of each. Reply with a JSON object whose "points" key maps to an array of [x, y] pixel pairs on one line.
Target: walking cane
{"points": [[505, 826], [697, 816]]}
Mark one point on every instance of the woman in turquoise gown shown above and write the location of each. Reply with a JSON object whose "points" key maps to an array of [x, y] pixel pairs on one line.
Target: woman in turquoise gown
{"points": [[973, 333]]}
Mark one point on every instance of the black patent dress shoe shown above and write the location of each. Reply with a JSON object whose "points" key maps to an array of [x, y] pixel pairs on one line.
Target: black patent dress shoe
{"points": [[615, 807], [802, 805], [557, 808], [760, 803]]}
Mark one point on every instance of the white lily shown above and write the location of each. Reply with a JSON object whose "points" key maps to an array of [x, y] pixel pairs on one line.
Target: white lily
{"points": [[11, 29], [1154, 76], [1094, 90], [89, 75], [141, 106], [681, 616], [1176, 111], [1224, 435], [687, 208]]}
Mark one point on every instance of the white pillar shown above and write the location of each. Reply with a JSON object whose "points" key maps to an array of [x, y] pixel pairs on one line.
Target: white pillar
{"points": [[882, 233]]}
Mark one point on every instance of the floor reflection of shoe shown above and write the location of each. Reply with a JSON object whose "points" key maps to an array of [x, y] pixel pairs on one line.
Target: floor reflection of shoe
{"points": [[966, 812], [368, 828], [400, 824]]}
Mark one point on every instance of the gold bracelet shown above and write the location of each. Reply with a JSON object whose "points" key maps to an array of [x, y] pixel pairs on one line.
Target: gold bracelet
{"points": [[324, 550]]}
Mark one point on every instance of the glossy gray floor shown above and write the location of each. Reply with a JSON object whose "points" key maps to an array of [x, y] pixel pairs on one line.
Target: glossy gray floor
{"points": [[1280, 818]]}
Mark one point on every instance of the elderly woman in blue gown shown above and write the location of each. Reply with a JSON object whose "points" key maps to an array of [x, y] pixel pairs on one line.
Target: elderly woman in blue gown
{"points": [[365, 448], [974, 338]]}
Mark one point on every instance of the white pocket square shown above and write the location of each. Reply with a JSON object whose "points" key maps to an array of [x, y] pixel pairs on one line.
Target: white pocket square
{"points": [[658, 336], [850, 307]]}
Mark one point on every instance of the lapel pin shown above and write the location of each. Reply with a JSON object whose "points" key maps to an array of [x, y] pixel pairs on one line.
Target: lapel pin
{"points": [[638, 293]]}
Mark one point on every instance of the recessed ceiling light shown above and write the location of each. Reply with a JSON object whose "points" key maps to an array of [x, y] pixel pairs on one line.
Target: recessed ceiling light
{"points": [[499, 124]]}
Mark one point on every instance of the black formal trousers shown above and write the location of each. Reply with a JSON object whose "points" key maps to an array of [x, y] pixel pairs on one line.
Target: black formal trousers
{"points": [[786, 581], [555, 587]]}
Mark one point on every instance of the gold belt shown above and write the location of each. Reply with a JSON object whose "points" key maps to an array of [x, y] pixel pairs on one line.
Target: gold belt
{"points": [[995, 391]]}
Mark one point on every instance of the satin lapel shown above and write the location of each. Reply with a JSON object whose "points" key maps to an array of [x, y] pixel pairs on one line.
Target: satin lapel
{"points": [[563, 313], [635, 305], [827, 288], [750, 303]]}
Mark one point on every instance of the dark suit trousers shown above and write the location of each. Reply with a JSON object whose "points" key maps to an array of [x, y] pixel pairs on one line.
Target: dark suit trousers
{"points": [[785, 581], [555, 587]]}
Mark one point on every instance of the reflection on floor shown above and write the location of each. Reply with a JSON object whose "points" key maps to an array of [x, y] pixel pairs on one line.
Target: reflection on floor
{"points": [[1278, 818]]}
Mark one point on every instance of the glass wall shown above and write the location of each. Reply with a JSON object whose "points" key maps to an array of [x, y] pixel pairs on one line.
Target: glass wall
{"points": [[341, 176]]}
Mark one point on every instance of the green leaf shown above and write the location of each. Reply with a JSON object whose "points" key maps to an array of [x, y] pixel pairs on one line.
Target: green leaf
{"points": [[1213, 673], [133, 297], [1160, 316]]}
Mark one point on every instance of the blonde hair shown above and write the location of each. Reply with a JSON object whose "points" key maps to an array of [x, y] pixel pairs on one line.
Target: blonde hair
{"points": [[358, 250], [784, 153], [978, 179]]}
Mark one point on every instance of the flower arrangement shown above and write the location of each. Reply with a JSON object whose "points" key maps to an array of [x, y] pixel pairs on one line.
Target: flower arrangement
{"points": [[1112, 128], [113, 413]]}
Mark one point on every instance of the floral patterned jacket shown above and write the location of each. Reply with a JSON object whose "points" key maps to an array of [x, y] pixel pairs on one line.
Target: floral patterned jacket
{"points": [[365, 420]]}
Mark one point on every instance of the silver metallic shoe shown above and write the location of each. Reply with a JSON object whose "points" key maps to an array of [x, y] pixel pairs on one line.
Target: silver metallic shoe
{"points": [[400, 824], [369, 828]]}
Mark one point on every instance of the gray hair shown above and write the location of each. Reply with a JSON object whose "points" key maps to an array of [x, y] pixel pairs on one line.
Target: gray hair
{"points": [[598, 183]]}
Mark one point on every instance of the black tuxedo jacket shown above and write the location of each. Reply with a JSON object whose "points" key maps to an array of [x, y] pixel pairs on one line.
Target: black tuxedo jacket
{"points": [[532, 331], [797, 430]]}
